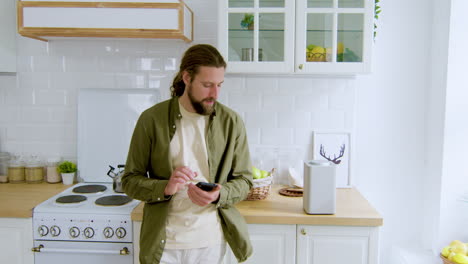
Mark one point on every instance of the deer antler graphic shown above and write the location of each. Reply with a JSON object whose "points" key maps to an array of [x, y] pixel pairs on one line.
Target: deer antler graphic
{"points": [[335, 158]]}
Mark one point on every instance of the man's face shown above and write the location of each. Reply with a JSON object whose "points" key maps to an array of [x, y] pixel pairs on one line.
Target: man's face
{"points": [[204, 88]]}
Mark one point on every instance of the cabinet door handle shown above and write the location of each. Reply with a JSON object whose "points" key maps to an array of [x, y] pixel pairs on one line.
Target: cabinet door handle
{"points": [[303, 231], [301, 66]]}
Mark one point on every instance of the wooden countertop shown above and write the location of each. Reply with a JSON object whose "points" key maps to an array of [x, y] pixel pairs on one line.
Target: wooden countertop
{"points": [[18, 200], [352, 209]]}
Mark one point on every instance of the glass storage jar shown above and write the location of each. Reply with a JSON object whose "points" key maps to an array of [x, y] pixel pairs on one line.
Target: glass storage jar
{"points": [[16, 170], [4, 158], [53, 176], [34, 170]]}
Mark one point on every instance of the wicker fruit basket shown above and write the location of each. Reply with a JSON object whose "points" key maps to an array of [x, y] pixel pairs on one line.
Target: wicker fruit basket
{"points": [[261, 188], [446, 261]]}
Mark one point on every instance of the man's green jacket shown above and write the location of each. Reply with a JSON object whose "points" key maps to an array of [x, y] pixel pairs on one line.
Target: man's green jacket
{"points": [[149, 168]]}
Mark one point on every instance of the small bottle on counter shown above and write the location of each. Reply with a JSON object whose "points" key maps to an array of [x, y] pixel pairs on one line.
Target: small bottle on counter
{"points": [[53, 176], [16, 170], [34, 170], [4, 158]]}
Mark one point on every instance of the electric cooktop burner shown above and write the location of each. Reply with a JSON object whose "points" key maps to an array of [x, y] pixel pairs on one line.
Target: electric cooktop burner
{"points": [[113, 200], [68, 199], [92, 188]]}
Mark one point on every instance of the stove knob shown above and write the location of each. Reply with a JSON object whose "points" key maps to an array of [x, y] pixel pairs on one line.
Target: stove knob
{"points": [[120, 232], [108, 232], [43, 230], [74, 232], [55, 231], [88, 232]]}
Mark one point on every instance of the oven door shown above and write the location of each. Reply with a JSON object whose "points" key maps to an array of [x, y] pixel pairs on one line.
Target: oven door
{"points": [[70, 252]]}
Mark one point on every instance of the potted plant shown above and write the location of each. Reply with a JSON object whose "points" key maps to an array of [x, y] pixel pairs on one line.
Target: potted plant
{"points": [[248, 21], [67, 169]]}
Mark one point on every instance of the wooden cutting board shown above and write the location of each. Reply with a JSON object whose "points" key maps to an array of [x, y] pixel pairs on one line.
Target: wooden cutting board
{"points": [[292, 192]]}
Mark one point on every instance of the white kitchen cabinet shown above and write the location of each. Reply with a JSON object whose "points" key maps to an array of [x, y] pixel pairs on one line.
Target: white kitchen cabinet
{"points": [[341, 31], [16, 241], [7, 36], [309, 244], [272, 244], [337, 244]]}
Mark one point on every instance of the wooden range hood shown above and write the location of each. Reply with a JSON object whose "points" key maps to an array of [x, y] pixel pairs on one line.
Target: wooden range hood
{"points": [[171, 19]]}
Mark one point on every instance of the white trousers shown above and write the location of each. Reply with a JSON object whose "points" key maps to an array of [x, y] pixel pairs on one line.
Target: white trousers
{"points": [[206, 255]]}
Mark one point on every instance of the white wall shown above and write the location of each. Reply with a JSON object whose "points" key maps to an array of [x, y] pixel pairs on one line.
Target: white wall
{"points": [[453, 216], [385, 110], [390, 120]]}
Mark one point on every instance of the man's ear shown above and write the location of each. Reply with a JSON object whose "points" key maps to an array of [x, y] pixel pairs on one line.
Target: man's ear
{"points": [[186, 77]]}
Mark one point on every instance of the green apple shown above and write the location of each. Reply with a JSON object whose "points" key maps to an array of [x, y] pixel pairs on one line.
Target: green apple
{"points": [[256, 173], [264, 173], [311, 46]]}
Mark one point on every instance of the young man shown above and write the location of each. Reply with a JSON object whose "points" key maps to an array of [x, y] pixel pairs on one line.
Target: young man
{"points": [[177, 143]]}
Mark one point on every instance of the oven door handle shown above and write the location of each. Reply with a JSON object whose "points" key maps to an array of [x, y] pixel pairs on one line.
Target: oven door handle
{"points": [[41, 248]]}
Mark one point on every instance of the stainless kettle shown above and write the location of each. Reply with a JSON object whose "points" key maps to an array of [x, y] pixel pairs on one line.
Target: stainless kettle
{"points": [[117, 177]]}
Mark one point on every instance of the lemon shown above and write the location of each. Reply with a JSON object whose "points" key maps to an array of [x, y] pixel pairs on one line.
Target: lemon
{"points": [[318, 49], [460, 258], [451, 255], [445, 251], [340, 48], [458, 247]]}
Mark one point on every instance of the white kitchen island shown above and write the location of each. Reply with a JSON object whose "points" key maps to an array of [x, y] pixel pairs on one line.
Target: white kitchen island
{"points": [[281, 232]]}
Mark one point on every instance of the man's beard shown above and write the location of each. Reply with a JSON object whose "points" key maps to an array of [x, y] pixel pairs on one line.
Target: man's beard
{"points": [[199, 107]]}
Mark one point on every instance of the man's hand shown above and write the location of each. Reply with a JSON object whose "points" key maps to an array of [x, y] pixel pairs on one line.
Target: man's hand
{"points": [[179, 177], [201, 197]]}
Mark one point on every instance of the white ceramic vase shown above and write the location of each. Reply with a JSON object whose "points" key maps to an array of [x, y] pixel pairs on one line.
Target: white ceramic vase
{"points": [[68, 178]]}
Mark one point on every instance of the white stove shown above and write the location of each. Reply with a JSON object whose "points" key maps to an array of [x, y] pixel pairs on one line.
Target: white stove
{"points": [[85, 212], [87, 222], [84, 224]]}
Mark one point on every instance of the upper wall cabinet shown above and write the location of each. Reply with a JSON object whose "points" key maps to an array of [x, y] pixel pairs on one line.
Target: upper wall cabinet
{"points": [[7, 36], [106, 18], [302, 36]]}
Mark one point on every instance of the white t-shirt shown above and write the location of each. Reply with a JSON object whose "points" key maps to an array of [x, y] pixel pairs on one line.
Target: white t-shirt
{"points": [[189, 225]]}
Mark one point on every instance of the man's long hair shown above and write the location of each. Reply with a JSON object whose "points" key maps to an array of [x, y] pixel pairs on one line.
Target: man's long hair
{"points": [[196, 56]]}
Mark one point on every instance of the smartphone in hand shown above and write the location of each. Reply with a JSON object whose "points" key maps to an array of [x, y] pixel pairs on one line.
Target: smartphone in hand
{"points": [[206, 186]]}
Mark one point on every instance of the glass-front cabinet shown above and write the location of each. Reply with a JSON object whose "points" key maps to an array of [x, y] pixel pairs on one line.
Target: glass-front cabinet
{"points": [[301, 36]]}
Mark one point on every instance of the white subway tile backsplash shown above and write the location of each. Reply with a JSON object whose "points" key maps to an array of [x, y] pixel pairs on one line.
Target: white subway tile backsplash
{"points": [[302, 86], [33, 80], [233, 84], [303, 137], [9, 113], [63, 114], [264, 120], [130, 80], [170, 64], [329, 120], [114, 63], [297, 120], [253, 135], [280, 112], [34, 114], [50, 97], [29, 46], [147, 64], [277, 136], [245, 103], [311, 102], [83, 63], [24, 63], [261, 84], [277, 103]]}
